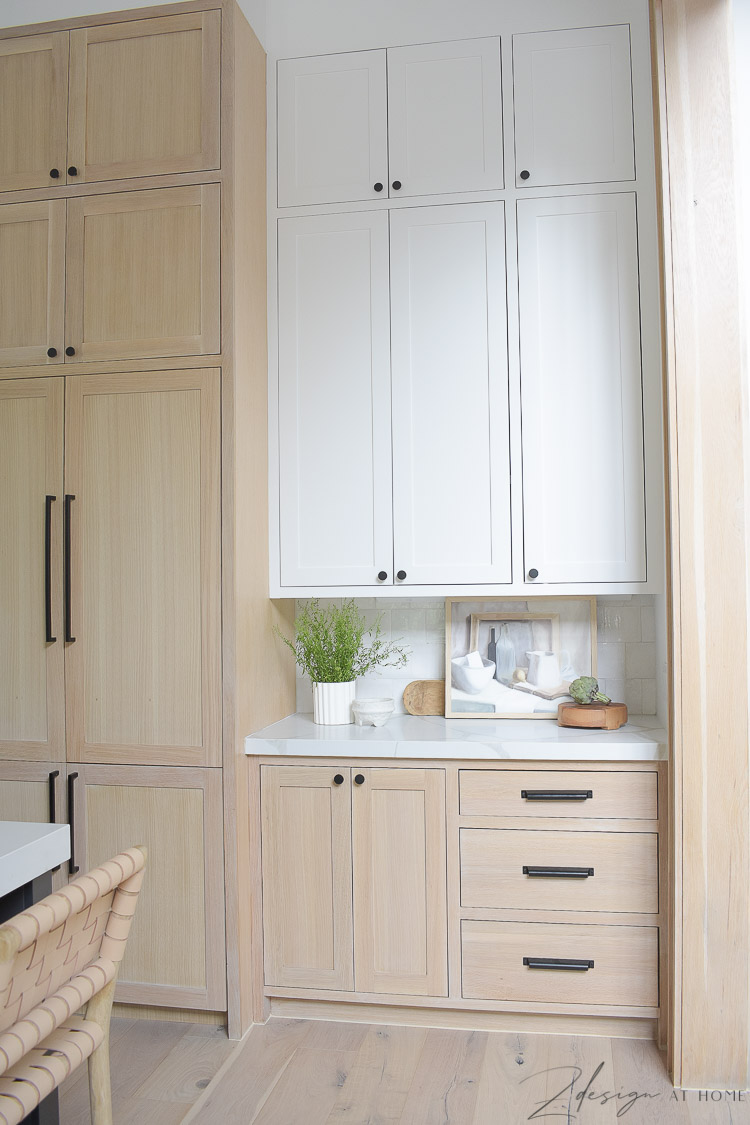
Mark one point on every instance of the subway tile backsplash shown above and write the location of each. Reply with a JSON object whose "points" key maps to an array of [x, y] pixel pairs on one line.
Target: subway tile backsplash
{"points": [[626, 649]]}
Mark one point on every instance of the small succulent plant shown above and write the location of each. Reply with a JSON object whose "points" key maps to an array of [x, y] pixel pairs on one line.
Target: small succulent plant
{"points": [[586, 690]]}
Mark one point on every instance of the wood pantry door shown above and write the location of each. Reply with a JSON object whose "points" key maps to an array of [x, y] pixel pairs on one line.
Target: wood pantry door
{"points": [[32, 283], [143, 674], [34, 100]]}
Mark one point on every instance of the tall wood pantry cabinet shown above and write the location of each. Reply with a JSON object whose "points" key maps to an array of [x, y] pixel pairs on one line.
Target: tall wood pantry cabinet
{"points": [[134, 619]]}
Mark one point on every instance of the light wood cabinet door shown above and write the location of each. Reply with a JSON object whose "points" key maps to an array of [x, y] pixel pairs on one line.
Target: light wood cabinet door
{"points": [[34, 100], [144, 97], [581, 389], [573, 106], [32, 708], [32, 283], [451, 451], [35, 792], [175, 953], [143, 675], [400, 913], [335, 400], [332, 128], [307, 876], [445, 117], [142, 273]]}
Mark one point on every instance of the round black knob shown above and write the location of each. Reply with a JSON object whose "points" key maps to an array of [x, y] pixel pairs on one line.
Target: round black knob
{"points": [[359, 779], [533, 573], [378, 187], [401, 575], [396, 185], [70, 351], [54, 173], [525, 175], [382, 575], [338, 779], [52, 352], [72, 171]]}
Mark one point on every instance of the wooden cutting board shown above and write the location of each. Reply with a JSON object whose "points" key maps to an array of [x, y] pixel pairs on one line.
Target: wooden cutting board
{"points": [[425, 697], [592, 716]]}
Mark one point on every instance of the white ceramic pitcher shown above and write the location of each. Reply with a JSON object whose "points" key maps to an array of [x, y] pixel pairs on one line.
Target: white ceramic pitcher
{"points": [[544, 668]]}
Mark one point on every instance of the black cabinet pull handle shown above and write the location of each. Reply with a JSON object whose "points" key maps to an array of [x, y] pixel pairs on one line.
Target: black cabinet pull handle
{"points": [[396, 185], [48, 502], [72, 171], [54, 173], [359, 779], [377, 187], [66, 569], [533, 573], [382, 575], [569, 963], [558, 872], [401, 575], [525, 175], [557, 794], [70, 351], [73, 867], [51, 781], [52, 352], [338, 779]]}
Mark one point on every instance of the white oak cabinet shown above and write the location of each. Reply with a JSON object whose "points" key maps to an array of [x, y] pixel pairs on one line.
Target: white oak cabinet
{"points": [[572, 98], [581, 387], [35, 792], [435, 125], [32, 289], [34, 97]]}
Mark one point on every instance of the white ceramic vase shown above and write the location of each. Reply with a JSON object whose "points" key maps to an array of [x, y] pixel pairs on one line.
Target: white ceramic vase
{"points": [[332, 703]]}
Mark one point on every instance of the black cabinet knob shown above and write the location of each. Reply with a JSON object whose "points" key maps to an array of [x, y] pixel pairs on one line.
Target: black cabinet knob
{"points": [[525, 175], [378, 187], [54, 173], [382, 575], [70, 351], [72, 171], [533, 573], [359, 779], [52, 352], [401, 575], [396, 185], [338, 779]]}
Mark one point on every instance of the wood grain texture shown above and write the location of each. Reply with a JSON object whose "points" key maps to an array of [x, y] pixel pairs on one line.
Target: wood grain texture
{"points": [[32, 292], [425, 697], [34, 95], [608, 716], [615, 793]]}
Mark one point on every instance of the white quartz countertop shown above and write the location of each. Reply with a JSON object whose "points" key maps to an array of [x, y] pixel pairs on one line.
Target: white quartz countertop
{"points": [[27, 850], [411, 736]]}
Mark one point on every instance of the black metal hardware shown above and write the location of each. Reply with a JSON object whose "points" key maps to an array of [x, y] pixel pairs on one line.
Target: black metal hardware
{"points": [[557, 794], [52, 803], [54, 173], [569, 963], [48, 502], [559, 872], [72, 171], [66, 568], [52, 352], [378, 187], [338, 779], [382, 575], [396, 185], [533, 573], [73, 867], [401, 575], [359, 779], [70, 351], [525, 175]]}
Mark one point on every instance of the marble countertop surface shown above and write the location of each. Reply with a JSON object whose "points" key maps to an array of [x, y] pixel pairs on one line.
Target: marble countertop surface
{"points": [[409, 736], [27, 850]]}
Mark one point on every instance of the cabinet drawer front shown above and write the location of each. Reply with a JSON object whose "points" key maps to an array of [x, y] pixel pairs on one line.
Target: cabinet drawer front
{"points": [[622, 870], [614, 795], [624, 959]]}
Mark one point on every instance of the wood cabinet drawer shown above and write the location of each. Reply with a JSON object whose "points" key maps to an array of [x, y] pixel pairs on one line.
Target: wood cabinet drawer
{"points": [[500, 868], [611, 793], [624, 970]]}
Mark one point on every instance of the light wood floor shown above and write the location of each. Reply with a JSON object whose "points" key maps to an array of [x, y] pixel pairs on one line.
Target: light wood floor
{"points": [[306, 1072]]}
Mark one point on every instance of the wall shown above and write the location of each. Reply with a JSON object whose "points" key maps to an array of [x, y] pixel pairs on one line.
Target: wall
{"points": [[629, 664]]}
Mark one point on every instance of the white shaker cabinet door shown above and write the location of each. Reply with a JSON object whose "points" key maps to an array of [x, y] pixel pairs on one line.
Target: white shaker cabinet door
{"points": [[334, 400], [451, 485], [573, 106], [445, 129], [332, 128], [583, 473]]}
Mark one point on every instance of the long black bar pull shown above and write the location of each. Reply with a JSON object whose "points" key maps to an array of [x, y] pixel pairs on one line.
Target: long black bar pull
{"points": [[557, 794], [66, 571], [73, 867], [52, 783], [558, 872], [569, 964], [48, 502]]}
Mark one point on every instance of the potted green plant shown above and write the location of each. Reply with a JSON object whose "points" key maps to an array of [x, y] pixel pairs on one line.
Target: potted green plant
{"points": [[334, 646]]}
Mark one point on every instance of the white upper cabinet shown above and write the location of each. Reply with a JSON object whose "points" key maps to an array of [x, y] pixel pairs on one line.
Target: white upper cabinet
{"points": [[334, 400], [573, 106], [332, 134], [582, 404], [445, 129], [451, 475]]}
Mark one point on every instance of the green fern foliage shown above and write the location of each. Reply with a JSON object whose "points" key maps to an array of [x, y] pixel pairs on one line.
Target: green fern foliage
{"points": [[335, 644]]}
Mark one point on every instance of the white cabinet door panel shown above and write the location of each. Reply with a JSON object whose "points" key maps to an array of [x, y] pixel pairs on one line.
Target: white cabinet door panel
{"points": [[445, 130], [451, 481], [332, 128], [334, 400], [573, 106], [583, 475]]}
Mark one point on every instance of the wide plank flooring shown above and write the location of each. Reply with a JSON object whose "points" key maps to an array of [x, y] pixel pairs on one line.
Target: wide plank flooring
{"points": [[310, 1072]]}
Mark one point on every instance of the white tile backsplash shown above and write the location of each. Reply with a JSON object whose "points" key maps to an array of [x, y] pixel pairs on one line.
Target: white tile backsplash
{"points": [[626, 649]]}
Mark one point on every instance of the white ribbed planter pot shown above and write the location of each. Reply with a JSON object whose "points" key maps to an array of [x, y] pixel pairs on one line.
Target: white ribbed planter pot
{"points": [[332, 703]]}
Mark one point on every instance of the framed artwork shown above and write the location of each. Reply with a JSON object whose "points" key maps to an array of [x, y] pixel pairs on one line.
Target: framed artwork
{"points": [[514, 658]]}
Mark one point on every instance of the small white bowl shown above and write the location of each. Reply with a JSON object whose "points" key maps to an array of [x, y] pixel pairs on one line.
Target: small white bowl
{"points": [[471, 680], [372, 712]]}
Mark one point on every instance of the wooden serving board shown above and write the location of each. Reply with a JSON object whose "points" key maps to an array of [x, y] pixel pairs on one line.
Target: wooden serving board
{"points": [[592, 716], [425, 697]]}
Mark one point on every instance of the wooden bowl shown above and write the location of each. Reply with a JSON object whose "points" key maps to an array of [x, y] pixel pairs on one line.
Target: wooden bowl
{"points": [[592, 716]]}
